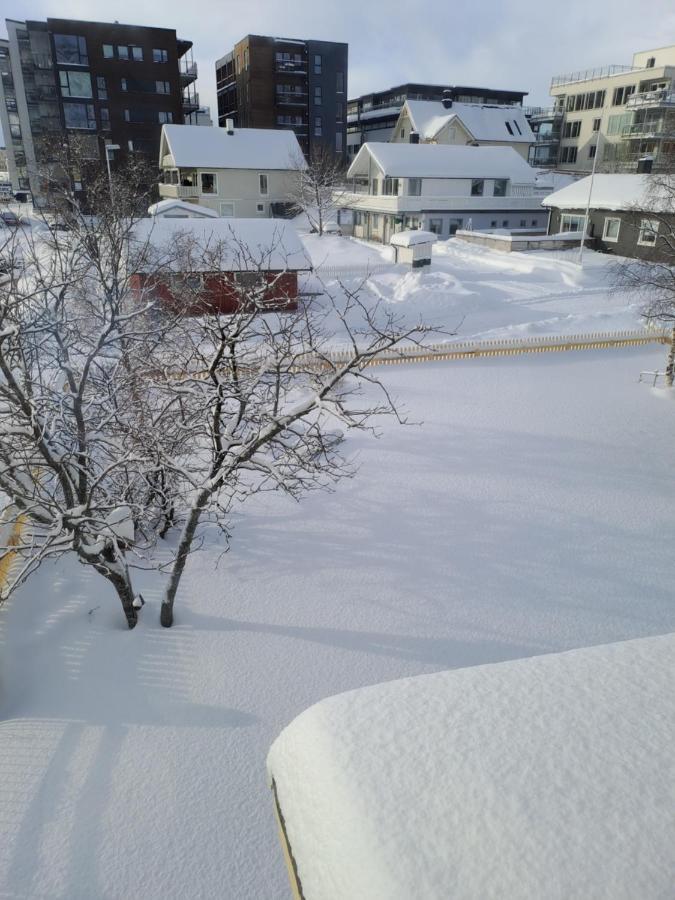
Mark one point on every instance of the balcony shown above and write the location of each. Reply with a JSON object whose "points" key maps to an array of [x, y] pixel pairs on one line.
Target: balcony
{"points": [[291, 98], [188, 72], [178, 191], [290, 68], [665, 97], [590, 75], [543, 113], [526, 197], [657, 129], [190, 103], [42, 61]]}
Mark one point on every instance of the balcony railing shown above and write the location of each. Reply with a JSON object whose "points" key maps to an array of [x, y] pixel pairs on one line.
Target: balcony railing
{"points": [[665, 97], [589, 75], [291, 68], [649, 130], [291, 98], [178, 191], [188, 71], [543, 112]]}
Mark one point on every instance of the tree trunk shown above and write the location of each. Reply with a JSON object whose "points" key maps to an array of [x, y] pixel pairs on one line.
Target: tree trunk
{"points": [[126, 595], [670, 365], [117, 574], [166, 614]]}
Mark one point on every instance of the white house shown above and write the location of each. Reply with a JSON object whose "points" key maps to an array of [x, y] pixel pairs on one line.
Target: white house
{"points": [[242, 172], [446, 122], [440, 188]]}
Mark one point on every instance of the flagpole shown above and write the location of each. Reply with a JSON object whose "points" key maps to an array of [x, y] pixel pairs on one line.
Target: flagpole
{"points": [[588, 204]]}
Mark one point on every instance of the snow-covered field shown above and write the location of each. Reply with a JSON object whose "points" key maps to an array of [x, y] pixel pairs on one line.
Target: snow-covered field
{"points": [[530, 513], [477, 292]]}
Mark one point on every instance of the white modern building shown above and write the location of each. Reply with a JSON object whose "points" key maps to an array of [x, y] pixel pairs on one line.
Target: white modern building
{"points": [[440, 188], [447, 122], [242, 172], [619, 112]]}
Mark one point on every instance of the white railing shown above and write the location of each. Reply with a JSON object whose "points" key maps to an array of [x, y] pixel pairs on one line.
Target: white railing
{"points": [[590, 74], [664, 97], [178, 191], [189, 69], [336, 273]]}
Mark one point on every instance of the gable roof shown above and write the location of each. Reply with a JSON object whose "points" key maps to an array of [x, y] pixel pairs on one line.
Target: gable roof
{"points": [[485, 122], [615, 192], [239, 244], [444, 161], [181, 209], [247, 148]]}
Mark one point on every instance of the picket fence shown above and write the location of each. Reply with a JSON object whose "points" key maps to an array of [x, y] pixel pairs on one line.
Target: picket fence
{"points": [[337, 273]]}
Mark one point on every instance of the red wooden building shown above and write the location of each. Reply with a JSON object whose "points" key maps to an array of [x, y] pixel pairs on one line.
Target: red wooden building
{"points": [[217, 264]]}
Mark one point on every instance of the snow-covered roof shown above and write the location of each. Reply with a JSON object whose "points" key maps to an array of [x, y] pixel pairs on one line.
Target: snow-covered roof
{"points": [[541, 777], [241, 244], [412, 237], [484, 122], [443, 161], [181, 209], [615, 192], [247, 148]]}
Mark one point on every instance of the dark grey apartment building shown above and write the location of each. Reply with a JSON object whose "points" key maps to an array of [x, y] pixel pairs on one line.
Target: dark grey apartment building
{"points": [[270, 82], [372, 117], [114, 84]]}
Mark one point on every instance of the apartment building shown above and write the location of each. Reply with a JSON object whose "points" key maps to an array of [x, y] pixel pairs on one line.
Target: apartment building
{"points": [[619, 112], [283, 83], [114, 84], [373, 117]]}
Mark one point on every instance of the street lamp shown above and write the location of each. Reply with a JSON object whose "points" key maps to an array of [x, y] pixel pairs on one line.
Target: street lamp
{"points": [[588, 203], [107, 162]]}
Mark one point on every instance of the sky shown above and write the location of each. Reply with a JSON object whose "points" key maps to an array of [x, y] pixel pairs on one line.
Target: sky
{"points": [[512, 44]]}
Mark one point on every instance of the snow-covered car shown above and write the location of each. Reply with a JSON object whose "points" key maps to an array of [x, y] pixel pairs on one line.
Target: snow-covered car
{"points": [[10, 219], [332, 228]]}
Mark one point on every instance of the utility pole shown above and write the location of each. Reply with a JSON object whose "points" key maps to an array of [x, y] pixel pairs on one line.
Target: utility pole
{"points": [[588, 204]]}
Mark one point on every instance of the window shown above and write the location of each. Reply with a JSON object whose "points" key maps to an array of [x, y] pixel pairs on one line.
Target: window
{"points": [[374, 186], [477, 186], [162, 87], [137, 54], [246, 58], [523, 223], [493, 223], [108, 51], [572, 129], [124, 84], [568, 155], [436, 226], [340, 82], [403, 132], [122, 52], [75, 84], [317, 96], [505, 223], [71, 48], [621, 94], [375, 220], [339, 112], [260, 208], [651, 62], [318, 126], [390, 187], [263, 185], [209, 183], [508, 127], [101, 88], [596, 124], [415, 187], [164, 118], [592, 150], [104, 113], [649, 229], [317, 63], [499, 189], [571, 223], [611, 230], [227, 209], [80, 115], [534, 223], [517, 127], [160, 56], [338, 142]]}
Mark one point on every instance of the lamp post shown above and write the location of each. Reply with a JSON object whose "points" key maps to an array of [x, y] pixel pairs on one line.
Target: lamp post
{"points": [[588, 204], [107, 162]]}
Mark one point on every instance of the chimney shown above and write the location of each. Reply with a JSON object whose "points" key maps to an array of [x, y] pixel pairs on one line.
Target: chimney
{"points": [[645, 164], [229, 125], [414, 137], [447, 98]]}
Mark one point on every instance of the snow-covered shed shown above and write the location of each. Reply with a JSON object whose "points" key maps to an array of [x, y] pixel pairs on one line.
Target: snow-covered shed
{"points": [[446, 122], [441, 188], [540, 777], [413, 247], [180, 209], [630, 215], [216, 259], [237, 172]]}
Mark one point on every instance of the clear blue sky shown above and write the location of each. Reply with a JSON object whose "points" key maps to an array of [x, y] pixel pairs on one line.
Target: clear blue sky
{"points": [[516, 44]]}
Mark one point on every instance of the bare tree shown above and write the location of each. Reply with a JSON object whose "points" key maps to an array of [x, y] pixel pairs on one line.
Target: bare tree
{"points": [[317, 187], [76, 458], [652, 277]]}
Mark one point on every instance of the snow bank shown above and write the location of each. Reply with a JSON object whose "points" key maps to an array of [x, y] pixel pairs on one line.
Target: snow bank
{"points": [[537, 778]]}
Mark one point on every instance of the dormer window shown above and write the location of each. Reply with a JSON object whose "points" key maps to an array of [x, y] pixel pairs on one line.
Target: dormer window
{"points": [[508, 127]]}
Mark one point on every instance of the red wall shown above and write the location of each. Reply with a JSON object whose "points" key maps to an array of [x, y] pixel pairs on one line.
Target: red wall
{"points": [[220, 293]]}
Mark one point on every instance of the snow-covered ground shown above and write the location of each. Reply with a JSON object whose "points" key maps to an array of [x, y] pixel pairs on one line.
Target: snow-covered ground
{"points": [[478, 292], [530, 513]]}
